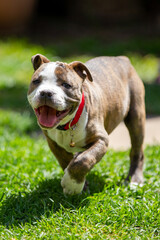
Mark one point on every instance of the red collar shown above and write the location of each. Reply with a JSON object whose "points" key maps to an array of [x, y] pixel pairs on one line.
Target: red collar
{"points": [[76, 118]]}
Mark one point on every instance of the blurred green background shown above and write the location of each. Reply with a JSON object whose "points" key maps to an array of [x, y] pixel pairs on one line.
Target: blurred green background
{"points": [[74, 31], [16, 71]]}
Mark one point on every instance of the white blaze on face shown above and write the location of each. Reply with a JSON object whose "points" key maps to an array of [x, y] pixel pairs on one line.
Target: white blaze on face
{"points": [[49, 83]]}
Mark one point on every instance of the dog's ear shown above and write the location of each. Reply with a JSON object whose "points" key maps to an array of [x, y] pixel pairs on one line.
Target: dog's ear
{"points": [[81, 70], [37, 60]]}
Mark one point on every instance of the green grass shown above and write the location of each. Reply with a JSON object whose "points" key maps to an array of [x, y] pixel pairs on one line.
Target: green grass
{"points": [[32, 204]]}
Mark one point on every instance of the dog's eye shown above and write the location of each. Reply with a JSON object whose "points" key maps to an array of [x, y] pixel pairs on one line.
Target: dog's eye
{"points": [[36, 81], [66, 85]]}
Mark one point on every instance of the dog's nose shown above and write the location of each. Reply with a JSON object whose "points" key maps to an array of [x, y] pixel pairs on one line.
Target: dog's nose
{"points": [[46, 94]]}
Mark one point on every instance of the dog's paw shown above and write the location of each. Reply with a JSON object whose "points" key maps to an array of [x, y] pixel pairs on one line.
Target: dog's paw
{"points": [[135, 185], [70, 185]]}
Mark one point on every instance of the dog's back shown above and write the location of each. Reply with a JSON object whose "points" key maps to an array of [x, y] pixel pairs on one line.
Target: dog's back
{"points": [[112, 77]]}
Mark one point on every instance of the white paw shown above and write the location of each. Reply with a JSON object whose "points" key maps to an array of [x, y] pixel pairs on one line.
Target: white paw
{"points": [[134, 185], [70, 186]]}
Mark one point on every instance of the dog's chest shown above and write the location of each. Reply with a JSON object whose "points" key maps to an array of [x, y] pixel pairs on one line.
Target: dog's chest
{"points": [[77, 135]]}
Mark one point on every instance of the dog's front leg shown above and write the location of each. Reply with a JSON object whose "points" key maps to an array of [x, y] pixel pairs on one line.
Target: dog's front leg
{"points": [[74, 178]]}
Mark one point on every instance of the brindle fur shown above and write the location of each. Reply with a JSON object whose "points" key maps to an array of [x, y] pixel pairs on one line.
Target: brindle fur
{"points": [[116, 94]]}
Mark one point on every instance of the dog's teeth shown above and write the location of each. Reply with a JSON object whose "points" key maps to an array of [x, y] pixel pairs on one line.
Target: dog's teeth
{"points": [[58, 113]]}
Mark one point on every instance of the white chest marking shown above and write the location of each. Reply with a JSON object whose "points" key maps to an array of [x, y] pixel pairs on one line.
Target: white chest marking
{"points": [[63, 138]]}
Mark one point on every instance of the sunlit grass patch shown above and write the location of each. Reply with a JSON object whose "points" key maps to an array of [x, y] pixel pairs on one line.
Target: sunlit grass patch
{"points": [[146, 66], [32, 204], [15, 64]]}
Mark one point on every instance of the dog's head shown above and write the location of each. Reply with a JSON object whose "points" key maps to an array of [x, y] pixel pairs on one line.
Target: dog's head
{"points": [[55, 90]]}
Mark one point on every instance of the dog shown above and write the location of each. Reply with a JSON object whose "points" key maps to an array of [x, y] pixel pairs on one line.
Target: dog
{"points": [[78, 105]]}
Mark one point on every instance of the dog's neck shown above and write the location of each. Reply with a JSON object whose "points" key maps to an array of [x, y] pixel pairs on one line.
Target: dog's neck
{"points": [[76, 118]]}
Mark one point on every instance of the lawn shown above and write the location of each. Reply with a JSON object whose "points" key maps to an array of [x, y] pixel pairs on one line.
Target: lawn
{"points": [[32, 204]]}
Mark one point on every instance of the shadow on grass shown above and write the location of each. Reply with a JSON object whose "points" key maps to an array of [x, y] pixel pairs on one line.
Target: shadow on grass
{"points": [[14, 98], [45, 200], [93, 46], [152, 98]]}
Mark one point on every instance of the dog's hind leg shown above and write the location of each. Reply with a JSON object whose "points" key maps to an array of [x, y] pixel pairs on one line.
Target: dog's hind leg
{"points": [[135, 125], [135, 122]]}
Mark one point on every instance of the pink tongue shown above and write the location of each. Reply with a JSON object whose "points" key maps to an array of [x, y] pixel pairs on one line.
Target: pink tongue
{"points": [[47, 116]]}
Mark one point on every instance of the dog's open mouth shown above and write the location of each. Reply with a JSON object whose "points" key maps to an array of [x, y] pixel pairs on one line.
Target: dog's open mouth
{"points": [[49, 117]]}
